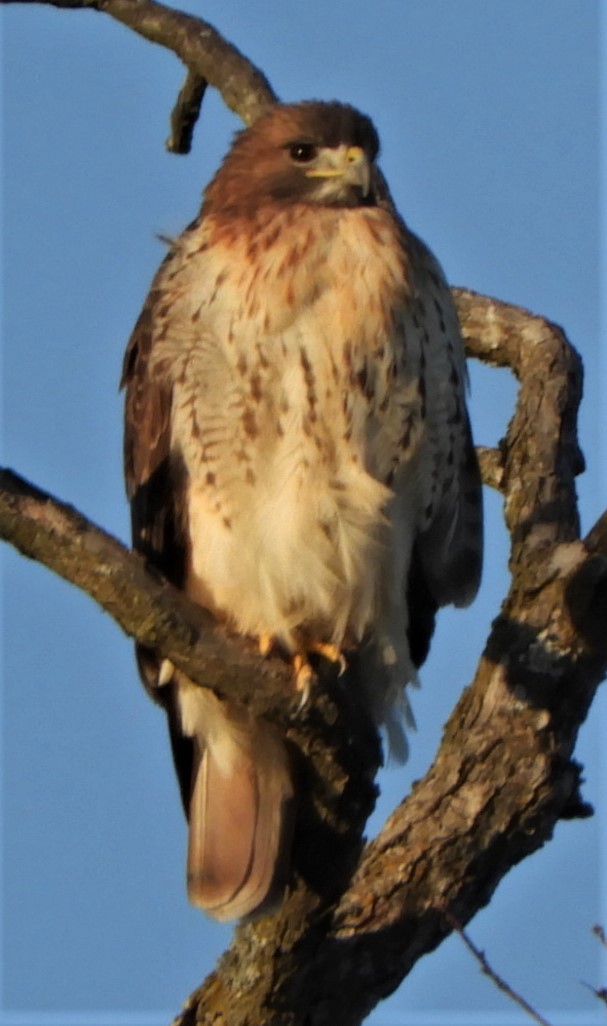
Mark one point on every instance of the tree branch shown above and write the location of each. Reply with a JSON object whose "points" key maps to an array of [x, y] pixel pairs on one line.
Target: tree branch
{"points": [[139, 599], [498, 980]]}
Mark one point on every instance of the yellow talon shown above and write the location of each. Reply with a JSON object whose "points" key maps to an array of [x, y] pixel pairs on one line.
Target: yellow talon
{"points": [[166, 672], [265, 643], [304, 675], [330, 652]]}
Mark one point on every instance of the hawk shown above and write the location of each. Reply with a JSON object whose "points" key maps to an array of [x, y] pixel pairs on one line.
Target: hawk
{"points": [[298, 459]]}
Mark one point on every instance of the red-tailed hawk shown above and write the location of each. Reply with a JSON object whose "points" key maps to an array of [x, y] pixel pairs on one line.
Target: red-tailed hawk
{"points": [[298, 457]]}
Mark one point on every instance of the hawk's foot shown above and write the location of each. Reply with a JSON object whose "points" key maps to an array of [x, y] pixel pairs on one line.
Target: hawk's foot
{"points": [[331, 653], [304, 676], [265, 642]]}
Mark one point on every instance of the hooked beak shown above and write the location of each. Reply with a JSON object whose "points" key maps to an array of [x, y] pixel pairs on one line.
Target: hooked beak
{"points": [[350, 163]]}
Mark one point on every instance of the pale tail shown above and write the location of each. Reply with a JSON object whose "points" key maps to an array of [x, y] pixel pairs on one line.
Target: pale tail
{"points": [[240, 821]]}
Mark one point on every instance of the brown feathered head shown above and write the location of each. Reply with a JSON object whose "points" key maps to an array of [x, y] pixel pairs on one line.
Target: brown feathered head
{"points": [[309, 152]]}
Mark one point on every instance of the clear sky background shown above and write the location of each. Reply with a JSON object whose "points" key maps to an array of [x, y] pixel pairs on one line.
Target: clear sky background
{"points": [[489, 117]]}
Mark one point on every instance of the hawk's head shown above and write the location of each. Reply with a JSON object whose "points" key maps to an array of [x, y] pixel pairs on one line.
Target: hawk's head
{"points": [[312, 152]]}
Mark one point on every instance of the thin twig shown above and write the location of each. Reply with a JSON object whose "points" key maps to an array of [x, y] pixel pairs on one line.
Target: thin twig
{"points": [[599, 992], [487, 969]]}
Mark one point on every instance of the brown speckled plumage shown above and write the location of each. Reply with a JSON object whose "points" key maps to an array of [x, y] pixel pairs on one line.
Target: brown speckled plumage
{"points": [[298, 454]]}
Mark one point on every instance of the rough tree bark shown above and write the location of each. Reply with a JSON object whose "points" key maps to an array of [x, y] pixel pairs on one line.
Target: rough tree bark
{"points": [[357, 920]]}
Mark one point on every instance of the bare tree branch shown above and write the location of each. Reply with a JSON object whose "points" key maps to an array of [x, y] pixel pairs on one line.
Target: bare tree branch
{"points": [[599, 992], [492, 467], [145, 605], [489, 971]]}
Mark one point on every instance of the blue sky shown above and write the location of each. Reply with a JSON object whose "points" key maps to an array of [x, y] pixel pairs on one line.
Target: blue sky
{"points": [[489, 119]]}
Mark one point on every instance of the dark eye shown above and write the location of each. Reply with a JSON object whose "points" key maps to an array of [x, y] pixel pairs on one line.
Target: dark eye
{"points": [[302, 152]]}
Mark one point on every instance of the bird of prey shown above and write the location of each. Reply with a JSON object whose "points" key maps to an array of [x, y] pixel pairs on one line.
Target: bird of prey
{"points": [[298, 459]]}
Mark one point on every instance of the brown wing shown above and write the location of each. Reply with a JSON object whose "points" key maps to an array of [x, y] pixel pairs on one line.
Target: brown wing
{"points": [[155, 489], [152, 483], [446, 560], [447, 553], [451, 546]]}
